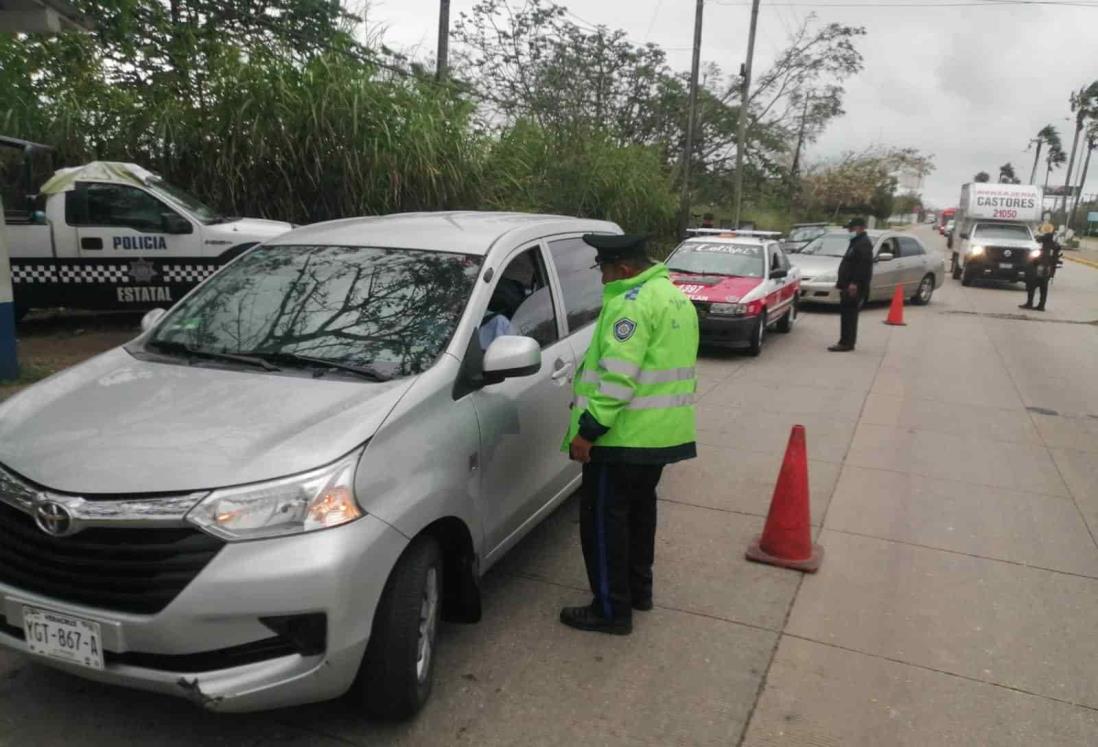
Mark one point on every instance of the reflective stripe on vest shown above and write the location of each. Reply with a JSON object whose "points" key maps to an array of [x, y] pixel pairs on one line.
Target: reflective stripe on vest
{"points": [[619, 392], [654, 402]]}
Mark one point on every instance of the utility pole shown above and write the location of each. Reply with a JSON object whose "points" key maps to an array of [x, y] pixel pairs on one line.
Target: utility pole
{"points": [[442, 66], [741, 138], [1091, 144], [691, 119], [1036, 157], [1080, 117]]}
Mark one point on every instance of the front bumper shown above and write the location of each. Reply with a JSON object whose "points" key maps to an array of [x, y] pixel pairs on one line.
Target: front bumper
{"points": [[812, 292], [730, 331], [996, 269], [189, 648]]}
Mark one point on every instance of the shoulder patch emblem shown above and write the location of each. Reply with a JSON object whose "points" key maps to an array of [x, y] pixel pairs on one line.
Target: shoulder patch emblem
{"points": [[624, 329]]}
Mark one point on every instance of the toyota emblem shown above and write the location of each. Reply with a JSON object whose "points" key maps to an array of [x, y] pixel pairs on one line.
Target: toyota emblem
{"points": [[53, 519]]}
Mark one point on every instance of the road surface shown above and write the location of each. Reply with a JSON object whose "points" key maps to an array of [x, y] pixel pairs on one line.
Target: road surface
{"points": [[954, 477]]}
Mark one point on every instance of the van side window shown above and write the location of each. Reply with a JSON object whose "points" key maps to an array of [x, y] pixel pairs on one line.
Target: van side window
{"points": [[522, 298], [95, 204], [580, 281]]}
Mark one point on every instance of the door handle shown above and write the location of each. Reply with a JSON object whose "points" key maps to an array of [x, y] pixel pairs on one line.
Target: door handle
{"points": [[561, 371]]}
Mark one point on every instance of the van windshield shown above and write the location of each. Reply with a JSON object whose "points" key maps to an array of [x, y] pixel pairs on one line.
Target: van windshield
{"points": [[393, 310], [999, 232], [195, 206]]}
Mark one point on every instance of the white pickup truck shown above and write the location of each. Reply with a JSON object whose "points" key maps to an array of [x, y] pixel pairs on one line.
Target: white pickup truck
{"points": [[111, 235], [993, 235]]}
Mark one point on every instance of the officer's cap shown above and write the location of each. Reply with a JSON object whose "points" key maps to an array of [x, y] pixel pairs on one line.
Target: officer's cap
{"points": [[856, 223], [615, 248]]}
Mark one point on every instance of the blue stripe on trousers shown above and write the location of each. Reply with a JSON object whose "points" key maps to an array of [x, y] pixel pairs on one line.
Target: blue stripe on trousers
{"points": [[600, 541], [9, 367]]}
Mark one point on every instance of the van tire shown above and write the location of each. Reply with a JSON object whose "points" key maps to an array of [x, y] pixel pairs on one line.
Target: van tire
{"points": [[966, 277], [956, 266], [20, 312], [391, 685]]}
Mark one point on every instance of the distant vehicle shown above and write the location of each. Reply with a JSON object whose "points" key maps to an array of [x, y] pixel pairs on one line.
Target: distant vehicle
{"points": [[993, 236], [110, 235], [900, 259], [741, 284], [802, 233], [943, 218], [949, 226], [276, 493], [930, 218]]}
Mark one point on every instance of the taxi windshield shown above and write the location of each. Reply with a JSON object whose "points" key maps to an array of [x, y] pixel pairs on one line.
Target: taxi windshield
{"points": [[703, 258], [393, 310], [828, 245]]}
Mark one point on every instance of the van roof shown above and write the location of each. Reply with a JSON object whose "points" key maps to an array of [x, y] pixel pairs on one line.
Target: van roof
{"points": [[463, 232]]}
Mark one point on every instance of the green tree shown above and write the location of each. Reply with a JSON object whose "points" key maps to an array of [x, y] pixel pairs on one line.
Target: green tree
{"points": [[982, 177], [862, 181]]}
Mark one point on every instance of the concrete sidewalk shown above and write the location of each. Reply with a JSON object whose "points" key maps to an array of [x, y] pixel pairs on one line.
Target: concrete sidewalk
{"points": [[954, 478]]}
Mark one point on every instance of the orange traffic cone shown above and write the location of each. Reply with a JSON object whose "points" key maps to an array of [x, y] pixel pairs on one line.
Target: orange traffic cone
{"points": [[896, 311], [786, 540]]}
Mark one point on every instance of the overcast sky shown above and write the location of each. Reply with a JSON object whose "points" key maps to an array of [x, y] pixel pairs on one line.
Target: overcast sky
{"points": [[970, 85]]}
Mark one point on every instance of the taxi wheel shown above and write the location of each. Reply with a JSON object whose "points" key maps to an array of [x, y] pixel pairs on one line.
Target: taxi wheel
{"points": [[786, 324], [758, 337], [394, 680]]}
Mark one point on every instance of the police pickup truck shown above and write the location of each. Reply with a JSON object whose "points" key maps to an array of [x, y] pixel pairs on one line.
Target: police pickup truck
{"points": [[112, 235]]}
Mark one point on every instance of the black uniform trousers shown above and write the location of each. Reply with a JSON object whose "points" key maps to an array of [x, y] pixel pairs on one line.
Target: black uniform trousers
{"points": [[848, 317], [618, 533], [1034, 283]]}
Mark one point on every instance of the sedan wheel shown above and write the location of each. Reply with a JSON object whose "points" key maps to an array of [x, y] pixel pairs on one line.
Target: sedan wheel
{"points": [[786, 324], [758, 337], [924, 292]]}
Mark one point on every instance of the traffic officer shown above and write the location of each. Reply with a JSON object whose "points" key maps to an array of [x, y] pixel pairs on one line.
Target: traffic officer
{"points": [[855, 272], [632, 413], [1039, 269]]}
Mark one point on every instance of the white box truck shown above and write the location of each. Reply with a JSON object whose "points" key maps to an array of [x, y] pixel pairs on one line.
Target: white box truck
{"points": [[993, 232], [110, 235]]}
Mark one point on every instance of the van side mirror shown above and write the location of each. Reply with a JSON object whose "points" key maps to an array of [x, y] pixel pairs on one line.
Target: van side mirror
{"points": [[175, 223], [151, 318], [511, 356], [884, 257]]}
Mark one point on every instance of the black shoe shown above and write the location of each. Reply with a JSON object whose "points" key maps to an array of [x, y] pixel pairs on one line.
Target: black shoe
{"points": [[1038, 308], [589, 618], [1026, 306], [644, 605], [841, 348]]}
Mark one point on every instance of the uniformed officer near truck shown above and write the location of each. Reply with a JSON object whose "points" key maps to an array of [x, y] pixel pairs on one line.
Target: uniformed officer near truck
{"points": [[632, 414], [1040, 269], [855, 273]]}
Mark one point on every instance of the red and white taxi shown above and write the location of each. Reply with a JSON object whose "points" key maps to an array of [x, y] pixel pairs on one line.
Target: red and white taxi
{"points": [[741, 283]]}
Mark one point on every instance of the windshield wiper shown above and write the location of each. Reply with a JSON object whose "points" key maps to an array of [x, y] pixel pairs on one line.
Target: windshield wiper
{"points": [[174, 346], [284, 356]]}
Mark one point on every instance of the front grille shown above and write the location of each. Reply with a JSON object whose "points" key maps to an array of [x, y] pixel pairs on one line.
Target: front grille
{"points": [[702, 307], [128, 570], [999, 254]]}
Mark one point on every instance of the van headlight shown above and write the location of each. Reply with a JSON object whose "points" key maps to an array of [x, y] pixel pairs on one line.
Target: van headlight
{"points": [[976, 251], [1034, 253], [320, 499]]}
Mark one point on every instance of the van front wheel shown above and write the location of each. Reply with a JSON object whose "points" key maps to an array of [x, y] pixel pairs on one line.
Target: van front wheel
{"points": [[397, 670]]}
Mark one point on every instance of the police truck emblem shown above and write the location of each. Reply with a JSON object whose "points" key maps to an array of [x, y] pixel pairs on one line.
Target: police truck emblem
{"points": [[142, 271], [624, 329]]}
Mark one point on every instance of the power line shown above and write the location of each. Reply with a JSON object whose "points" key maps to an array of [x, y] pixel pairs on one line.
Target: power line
{"points": [[652, 23]]}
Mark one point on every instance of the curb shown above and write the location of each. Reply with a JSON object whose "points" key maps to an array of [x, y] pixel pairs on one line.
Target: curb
{"points": [[1080, 260]]}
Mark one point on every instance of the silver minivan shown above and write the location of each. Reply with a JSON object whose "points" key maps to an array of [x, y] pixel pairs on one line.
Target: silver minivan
{"points": [[274, 494]]}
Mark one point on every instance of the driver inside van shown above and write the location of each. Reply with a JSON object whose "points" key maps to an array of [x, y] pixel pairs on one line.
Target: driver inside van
{"points": [[503, 304]]}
